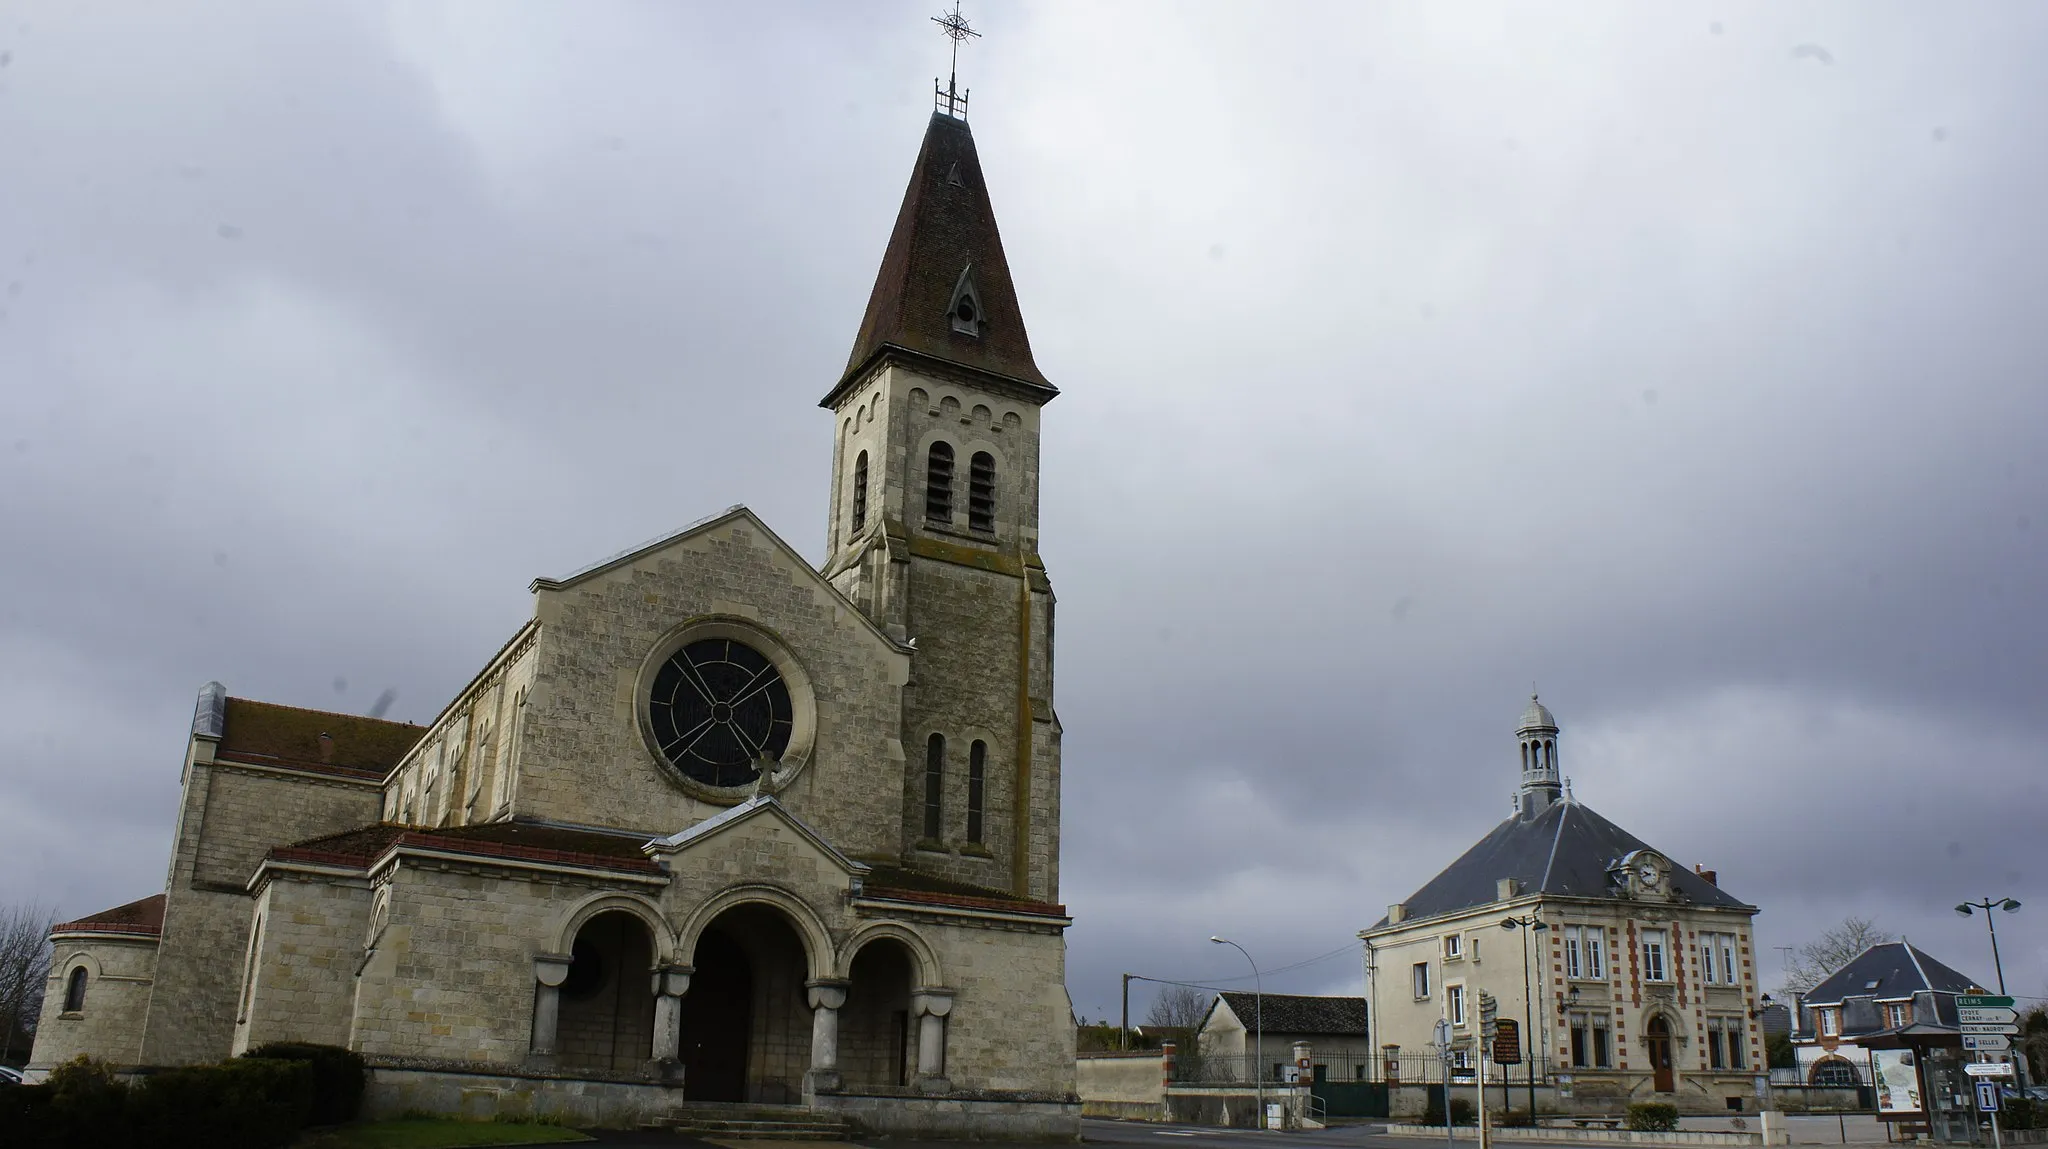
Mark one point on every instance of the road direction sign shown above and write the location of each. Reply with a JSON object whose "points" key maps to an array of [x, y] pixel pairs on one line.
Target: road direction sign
{"points": [[1986, 1042], [1987, 1097], [1991, 1029], [1988, 1069], [1987, 1016], [1983, 1001]]}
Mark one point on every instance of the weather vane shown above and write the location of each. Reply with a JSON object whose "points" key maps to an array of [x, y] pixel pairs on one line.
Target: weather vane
{"points": [[954, 25]]}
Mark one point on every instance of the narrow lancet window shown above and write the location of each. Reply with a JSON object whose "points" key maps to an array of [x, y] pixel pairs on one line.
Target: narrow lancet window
{"points": [[860, 492], [977, 771], [74, 991], [934, 786], [938, 483], [981, 492]]}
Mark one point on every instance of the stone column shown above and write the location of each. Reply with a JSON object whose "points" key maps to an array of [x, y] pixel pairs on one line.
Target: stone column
{"points": [[826, 998], [931, 1007], [549, 971], [671, 982]]}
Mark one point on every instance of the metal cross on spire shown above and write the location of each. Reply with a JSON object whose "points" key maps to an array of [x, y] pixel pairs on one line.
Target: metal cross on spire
{"points": [[952, 101]]}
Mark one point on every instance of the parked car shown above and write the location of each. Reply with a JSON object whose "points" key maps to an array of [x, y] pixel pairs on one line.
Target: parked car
{"points": [[9, 1075]]}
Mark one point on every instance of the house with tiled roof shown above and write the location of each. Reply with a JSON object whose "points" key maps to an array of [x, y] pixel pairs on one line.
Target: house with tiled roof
{"points": [[1890, 990], [1242, 1031], [1639, 972], [713, 825]]}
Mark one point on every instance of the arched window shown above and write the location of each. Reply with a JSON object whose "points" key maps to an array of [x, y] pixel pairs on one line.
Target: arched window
{"points": [[1835, 1073], [860, 492], [1549, 754], [938, 483], [981, 492], [74, 991], [977, 769], [934, 786], [1525, 757]]}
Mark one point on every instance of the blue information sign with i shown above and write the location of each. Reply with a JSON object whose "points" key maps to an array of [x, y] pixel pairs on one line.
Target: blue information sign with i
{"points": [[1987, 1097]]}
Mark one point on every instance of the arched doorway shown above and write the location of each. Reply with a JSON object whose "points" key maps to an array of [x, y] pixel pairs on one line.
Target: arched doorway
{"points": [[1657, 1041], [877, 1041], [744, 1027], [607, 1000]]}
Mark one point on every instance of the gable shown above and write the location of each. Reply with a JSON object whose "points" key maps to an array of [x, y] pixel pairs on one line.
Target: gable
{"points": [[757, 840]]}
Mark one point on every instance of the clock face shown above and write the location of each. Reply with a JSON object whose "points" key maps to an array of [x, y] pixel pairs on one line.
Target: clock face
{"points": [[719, 708], [1648, 873]]}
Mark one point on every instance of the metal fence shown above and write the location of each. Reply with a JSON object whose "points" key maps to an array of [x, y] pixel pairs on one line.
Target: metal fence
{"points": [[1277, 1067]]}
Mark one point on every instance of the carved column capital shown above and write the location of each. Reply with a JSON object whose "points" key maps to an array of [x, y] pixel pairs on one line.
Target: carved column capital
{"points": [[826, 993], [551, 969], [672, 980], [931, 1000]]}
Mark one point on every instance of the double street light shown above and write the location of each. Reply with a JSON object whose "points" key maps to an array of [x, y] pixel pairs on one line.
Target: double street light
{"points": [[1527, 924], [1987, 905], [1258, 1025]]}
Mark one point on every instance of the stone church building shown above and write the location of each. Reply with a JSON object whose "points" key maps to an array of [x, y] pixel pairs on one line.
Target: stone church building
{"points": [[1640, 973], [714, 825]]}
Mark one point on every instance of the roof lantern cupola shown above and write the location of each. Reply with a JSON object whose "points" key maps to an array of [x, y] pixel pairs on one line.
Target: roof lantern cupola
{"points": [[1536, 736]]}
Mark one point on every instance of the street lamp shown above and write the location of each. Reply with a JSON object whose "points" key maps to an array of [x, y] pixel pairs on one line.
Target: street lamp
{"points": [[1987, 905], [1534, 925], [1258, 1026]]}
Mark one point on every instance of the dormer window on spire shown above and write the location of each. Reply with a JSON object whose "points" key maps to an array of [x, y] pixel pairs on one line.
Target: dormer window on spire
{"points": [[966, 307]]}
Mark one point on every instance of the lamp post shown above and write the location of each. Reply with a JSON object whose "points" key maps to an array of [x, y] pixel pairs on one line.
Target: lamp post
{"points": [[1527, 924], [1258, 1027], [1987, 905]]}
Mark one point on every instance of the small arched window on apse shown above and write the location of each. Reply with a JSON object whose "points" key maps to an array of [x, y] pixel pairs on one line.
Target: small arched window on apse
{"points": [[74, 990], [977, 788], [981, 492], [938, 483], [860, 492], [934, 787]]}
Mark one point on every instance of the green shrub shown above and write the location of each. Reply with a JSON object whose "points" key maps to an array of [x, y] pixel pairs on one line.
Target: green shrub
{"points": [[235, 1105], [1462, 1112], [88, 1107], [1652, 1116], [2020, 1113], [338, 1077]]}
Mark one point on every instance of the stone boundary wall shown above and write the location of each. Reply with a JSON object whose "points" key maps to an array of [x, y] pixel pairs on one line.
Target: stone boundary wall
{"points": [[392, 1092], [1585, 1136], [1127, 1086], [954, 1118]]}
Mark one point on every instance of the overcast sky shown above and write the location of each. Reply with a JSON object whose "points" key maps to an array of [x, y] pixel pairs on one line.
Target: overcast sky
{"points": [[1685, 360]]}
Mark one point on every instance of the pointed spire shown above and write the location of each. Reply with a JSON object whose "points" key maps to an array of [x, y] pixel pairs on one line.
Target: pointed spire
{"points": [[946, 252]]}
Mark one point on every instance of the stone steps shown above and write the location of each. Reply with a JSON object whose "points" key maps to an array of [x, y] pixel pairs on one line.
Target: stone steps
{"points": [[758, 1122]]}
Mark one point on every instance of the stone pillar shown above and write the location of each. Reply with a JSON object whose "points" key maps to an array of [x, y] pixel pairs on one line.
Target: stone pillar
{"points": [[931, 1006], [549, 971], [826, 997], [671, 982]]}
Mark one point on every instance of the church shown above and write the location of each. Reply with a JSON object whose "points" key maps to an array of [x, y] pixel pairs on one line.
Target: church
{"points": [[713, 826]]}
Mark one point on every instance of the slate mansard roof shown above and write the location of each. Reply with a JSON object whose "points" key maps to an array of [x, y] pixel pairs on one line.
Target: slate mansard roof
{"points": [[945, 229], [1291, 1013], [1565, 850], [1889, 971]]}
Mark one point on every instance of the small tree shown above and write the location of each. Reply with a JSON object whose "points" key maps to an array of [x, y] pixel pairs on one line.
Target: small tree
{"points": [[1180, 1010], [24, 968], [1834, 949]]}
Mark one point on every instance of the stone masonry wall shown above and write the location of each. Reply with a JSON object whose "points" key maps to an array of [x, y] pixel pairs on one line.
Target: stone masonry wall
{"points": [[119, 972], [586, 760], [232, 815], [310, 936]]}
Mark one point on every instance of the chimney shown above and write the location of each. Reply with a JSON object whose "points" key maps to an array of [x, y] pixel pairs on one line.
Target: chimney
{"points": [[1506, 888], [1397, 913], [326, 747], [1712, 878]]}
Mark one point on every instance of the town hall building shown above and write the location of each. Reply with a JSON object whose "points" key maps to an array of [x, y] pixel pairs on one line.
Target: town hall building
{"points": [[714, 825], [1640, 979]]}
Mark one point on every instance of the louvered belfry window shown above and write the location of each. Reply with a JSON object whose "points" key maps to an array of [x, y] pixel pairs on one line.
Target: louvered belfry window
{"points": [[860, 492], [981, 492], [938, 483]]}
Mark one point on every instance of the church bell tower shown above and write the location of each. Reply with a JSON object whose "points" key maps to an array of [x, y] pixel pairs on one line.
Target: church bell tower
{"points": [[934, 525]]}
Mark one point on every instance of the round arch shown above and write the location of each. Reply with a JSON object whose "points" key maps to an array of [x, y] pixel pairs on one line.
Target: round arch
{"points": [[1834, 1071], [818, 950], [77, 959], [928, 972], [639, 907]]}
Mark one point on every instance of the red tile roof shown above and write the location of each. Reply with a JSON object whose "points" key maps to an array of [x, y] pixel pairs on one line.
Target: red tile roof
{"points": [[145, 916], [361, 847], [906, 885], [267, 734]]}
